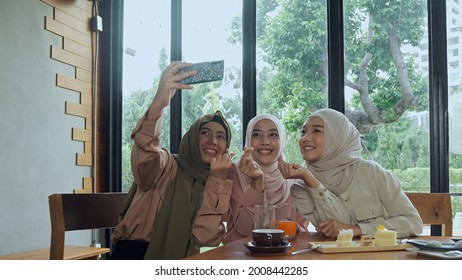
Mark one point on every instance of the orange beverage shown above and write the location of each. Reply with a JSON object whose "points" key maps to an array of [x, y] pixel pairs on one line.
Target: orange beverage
{"points": [[289, 228]]}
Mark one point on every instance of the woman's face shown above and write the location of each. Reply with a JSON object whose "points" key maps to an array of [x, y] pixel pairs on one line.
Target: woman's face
{"points": [[265, 142], [312, 139], [212, 141]]}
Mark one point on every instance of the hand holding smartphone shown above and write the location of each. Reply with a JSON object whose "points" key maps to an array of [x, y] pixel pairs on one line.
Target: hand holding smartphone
{"points": [[206, 72]]}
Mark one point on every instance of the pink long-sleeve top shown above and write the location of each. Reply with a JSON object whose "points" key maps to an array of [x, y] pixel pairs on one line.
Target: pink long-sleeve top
{"points": [[153, 170], [241, 214]]}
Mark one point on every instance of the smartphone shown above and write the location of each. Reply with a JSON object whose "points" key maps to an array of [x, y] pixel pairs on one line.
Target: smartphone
{"points": [[206, 72]]}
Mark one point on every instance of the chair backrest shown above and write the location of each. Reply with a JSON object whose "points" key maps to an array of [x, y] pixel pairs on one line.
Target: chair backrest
{"points": [[434, 209], [79, 212]]}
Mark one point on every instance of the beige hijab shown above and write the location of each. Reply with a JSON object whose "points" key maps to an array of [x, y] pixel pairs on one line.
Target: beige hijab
{"points": [[342, 150], [277, 189]]}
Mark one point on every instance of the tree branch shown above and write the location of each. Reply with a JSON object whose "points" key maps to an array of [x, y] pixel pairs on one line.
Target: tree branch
{"points": [[408, 97]]}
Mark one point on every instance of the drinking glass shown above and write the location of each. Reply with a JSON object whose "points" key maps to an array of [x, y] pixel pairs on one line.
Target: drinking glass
{"points": [[287, 222], [266, 217]]}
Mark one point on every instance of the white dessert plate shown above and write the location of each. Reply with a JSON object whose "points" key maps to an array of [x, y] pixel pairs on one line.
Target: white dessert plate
{"points": [[268, 250], [456, 238], [424, 245], [331, 247], [436, 254]]}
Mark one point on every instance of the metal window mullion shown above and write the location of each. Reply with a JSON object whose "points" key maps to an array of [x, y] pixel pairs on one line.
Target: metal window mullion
{"points": [[176, 55], [249, 72], [438, 100], [438, 97], [335, 55]]}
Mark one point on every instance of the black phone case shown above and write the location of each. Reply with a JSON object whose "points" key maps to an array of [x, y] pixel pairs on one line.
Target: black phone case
{"points": [[206, 72]]}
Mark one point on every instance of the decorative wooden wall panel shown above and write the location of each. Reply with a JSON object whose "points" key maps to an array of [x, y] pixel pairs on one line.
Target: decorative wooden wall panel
{"points": [[71, 20]]}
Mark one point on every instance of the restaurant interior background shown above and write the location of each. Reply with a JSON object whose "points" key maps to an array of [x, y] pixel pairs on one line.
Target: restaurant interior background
{"points": [[46, 105]]}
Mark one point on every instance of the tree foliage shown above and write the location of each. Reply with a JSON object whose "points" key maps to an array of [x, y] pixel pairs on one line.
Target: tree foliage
{"points": [[379, 66], [293, 35]]}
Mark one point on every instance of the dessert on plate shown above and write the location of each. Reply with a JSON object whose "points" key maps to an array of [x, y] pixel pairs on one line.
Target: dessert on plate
{"points": [[384, 237], [345, 238]]}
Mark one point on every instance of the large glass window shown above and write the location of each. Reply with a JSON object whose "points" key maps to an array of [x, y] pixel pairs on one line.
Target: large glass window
{"points": [[386, 67], [454, 31], [146, 42], [209, 35], [291, 63], [386, 88]]}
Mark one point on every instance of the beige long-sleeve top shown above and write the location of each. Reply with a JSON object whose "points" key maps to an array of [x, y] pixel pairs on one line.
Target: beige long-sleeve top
{"points": [[241, 214], [153, 170], [373, 198]]}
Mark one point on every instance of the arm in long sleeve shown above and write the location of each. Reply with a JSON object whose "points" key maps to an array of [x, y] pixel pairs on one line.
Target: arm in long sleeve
{"points": [[401, 216], [208, 228], [240, 216], [304, 202], [318, 204], [148, 158]]}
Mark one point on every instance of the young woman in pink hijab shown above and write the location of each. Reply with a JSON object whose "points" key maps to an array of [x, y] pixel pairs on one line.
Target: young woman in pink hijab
{"points": [[338, 189], [264, 144]]}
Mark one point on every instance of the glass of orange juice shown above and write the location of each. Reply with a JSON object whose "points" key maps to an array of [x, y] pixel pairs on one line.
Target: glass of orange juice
{"points": [[287, 222]]}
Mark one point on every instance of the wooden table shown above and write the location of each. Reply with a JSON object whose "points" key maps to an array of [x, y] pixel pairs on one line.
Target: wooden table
{"points": [[237, 251], [70, 253]]}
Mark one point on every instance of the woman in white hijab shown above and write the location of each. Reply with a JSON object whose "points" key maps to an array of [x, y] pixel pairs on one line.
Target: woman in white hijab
{"points": [[264, 144], [338, 189]]}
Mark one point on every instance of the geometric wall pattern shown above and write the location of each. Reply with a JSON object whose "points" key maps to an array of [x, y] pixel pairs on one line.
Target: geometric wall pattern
{"points": [[71, 20]]}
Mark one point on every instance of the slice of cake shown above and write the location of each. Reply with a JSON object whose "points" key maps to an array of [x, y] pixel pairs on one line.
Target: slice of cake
{"points": [[344, 238], [384, 237]]}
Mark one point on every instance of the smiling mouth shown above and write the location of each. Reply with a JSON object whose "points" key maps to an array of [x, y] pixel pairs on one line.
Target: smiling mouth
{"points": [[265, 152], [210, 151]]}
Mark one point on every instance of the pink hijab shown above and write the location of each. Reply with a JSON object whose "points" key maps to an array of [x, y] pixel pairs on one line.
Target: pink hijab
{"points": [[342, 150], [277, 188]]}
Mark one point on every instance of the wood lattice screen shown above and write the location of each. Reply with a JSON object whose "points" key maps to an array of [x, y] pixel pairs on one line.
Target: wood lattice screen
{"points": [[71, 20]]}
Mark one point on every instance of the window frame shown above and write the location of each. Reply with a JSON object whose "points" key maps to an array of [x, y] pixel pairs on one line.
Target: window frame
{"points": [[111, 83]]}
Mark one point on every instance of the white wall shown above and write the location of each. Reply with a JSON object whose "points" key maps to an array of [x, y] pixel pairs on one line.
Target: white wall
{"points": [[37, 155]]}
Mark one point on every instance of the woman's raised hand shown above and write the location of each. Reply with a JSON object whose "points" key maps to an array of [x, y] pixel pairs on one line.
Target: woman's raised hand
{"points": [[296, 171], [291, 170], [221, 165], [170, 81], [248, 165]]}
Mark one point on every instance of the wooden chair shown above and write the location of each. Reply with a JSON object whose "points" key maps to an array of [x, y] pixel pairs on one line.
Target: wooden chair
{"points": [[434, 209], [70, 212]]}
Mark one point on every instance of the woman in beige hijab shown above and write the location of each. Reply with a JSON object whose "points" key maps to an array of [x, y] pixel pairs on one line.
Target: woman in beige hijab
{"points": [[337, 189]]}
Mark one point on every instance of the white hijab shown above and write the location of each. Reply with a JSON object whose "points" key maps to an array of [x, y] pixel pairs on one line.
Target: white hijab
{"points": [[276, 187], [342, 150]]}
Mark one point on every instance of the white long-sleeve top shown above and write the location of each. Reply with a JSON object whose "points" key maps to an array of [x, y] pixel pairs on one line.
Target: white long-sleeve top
{"points": [[374, 197]]}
